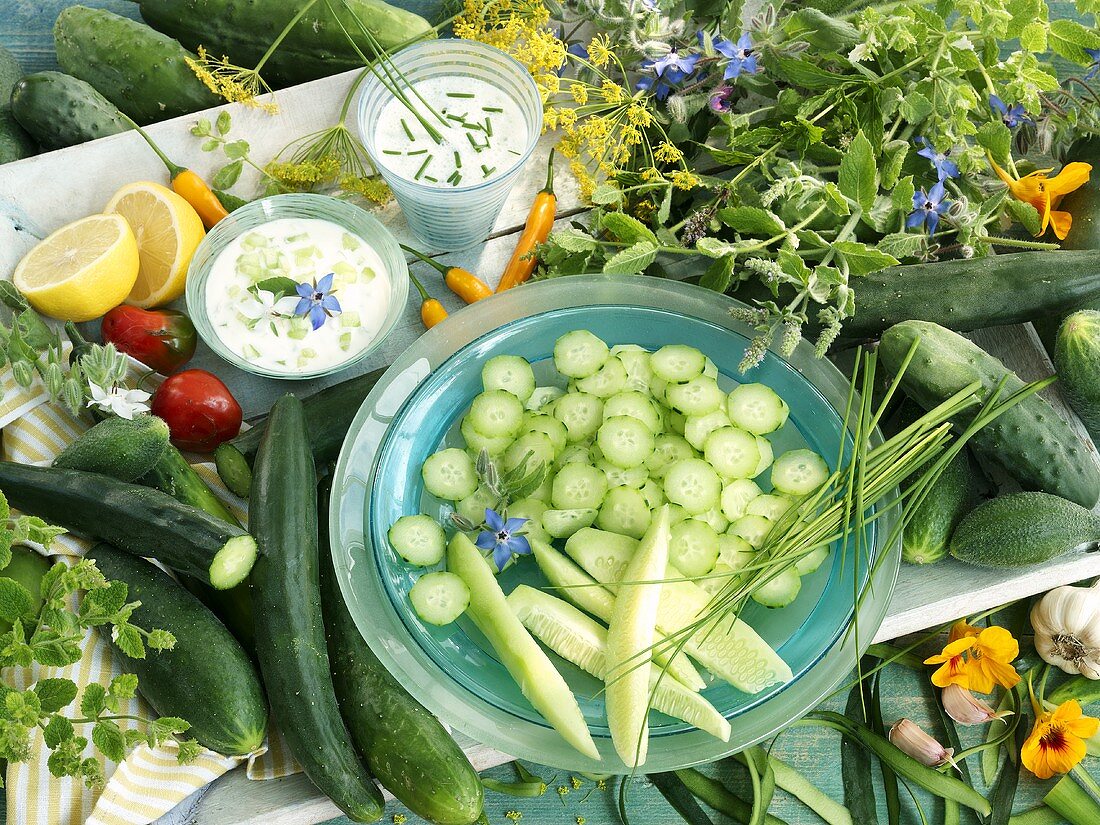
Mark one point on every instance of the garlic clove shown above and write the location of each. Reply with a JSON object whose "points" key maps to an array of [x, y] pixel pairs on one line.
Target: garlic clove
{"points": [[908, 737], [966, 708]]}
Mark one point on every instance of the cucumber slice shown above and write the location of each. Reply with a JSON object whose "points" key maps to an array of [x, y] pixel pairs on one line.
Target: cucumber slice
{"points": [[449, 474], [698, 427], [694, 547], [753, 529], [736, 497], [732, 452], [780, 591], [625, 442], [603, 554], [630, 636], [582, 641], [476, 442], [770, 506], [608, 380], [511, 374], [533, 671], [757, 408], [473, 507], [675, 422], [698, 396], [636, 361], [419, 539], [532, 510], [677, 363], [809, 563], [439, 598], [734, 552], [542, 397], [496, 413], [634, 477], [636, 405], [765, 448], [548, 426], [668, 448], [715, 519], [653, 493], [581, 414], [799, 472], [579, 354], [578, 486], [562, 524], [534, 448], [693, 484], [572, 454], [717, 578], [624, 511]]}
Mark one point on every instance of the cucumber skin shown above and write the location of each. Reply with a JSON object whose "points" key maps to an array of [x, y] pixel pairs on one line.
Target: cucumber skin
{"points": [[207, 678], [1077, 362], [928, 532], [59, 110], [27, 568], [139, 70], [137, 519], [315, 47], [1021, 529], [118, 447], [1030, 441], [290, 642], [15, 143], [406, 747]]}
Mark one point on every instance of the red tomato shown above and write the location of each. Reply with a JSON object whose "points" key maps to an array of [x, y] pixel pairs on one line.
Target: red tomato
{"points": [[162, 339], [200, 411]]}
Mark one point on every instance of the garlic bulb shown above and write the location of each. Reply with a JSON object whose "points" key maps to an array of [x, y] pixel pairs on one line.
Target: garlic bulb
{"points": [[1066, 622]]}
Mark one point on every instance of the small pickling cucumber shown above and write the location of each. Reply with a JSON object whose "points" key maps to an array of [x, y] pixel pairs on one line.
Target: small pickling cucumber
{"points": [[27, 569], [1022, 528], [15, 143], [1031, 441], [1077, 361], [419, 539], [934, 519], [59, 110], [118, 447], [439, 598]]}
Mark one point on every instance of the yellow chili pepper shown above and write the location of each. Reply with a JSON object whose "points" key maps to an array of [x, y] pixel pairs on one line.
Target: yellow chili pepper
{"points": [[463, 283], [431, 311], [540, 220], [189, 186]]}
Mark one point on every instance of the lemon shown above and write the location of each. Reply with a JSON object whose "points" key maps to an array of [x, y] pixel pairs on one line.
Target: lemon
{"points": [[81, 270], [168, 231]]}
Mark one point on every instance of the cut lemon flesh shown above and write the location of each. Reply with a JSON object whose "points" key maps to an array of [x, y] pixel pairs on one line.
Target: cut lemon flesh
{"points": [[81, 270], [168, 231]]}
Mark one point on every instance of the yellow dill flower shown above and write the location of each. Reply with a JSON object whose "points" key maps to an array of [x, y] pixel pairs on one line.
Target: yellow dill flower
{"points": [[644, 210], [668, 153], [612, 92], [304, 174], [650, 174], [585, 181], [683, 179], [232, 83], [639, 115], [371, 189], [567, 118], [579, 92], [576, 783], [599, 50], [631, 135]]}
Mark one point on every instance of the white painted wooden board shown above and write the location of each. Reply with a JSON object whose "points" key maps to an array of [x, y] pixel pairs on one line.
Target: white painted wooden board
{"points": [[40, 194]]}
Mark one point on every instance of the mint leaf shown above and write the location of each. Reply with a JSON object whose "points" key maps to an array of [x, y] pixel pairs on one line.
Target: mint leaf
{"points": [[57, 730], [123, 686], [631, 260], [228, 175], [279, 286], [626, 228], [862, 259], [15, 600], [719, 274], [996, 138], [55, 694], [573, 240], [189, 751], [109, 739], [94, 700], [128, 639], [715, 248], [236, 149], [751, 220], [163, 640], [222, 124], [858, 174]]}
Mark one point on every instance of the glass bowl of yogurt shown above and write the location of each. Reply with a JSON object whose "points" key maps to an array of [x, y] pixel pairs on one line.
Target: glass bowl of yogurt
{"points": [[296, 286], [453, 154]]}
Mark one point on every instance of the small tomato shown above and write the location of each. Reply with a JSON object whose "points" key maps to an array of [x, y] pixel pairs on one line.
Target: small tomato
{"points": [[163, 339], [200, 411]]}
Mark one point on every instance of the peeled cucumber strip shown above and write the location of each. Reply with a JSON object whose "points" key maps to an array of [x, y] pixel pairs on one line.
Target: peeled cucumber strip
{"points": [[581, 640], [586, 593], [630, 636], [536, 675]]}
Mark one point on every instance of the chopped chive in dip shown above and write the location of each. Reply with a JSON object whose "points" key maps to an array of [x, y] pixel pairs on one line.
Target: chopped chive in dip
{"points": [[489, 126], [431, 179], [473, 127], [514, 152], [460, 94], [495, 109], [457, 118], [423, 166], [391, 152], [458, 160], [488, 170], [455, 177], [408, 131], [417, 152]]}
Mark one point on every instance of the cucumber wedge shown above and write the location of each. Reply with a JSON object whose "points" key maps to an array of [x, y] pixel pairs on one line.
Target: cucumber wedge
{"points": [[586, 593], [630, 640], [583, 641], [536, 675]]}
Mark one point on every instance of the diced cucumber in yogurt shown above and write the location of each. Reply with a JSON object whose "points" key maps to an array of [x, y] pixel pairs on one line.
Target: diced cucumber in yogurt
{"points": [[351, 242], [349, 318], [254, 240], [299, 328], [367, 274]]}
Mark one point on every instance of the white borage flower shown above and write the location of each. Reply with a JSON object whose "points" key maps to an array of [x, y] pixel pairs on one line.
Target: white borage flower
{"points": [[263, 306], [122, 401]]}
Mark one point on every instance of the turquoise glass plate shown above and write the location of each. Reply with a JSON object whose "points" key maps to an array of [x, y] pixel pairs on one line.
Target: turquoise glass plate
{"points": [[414, 411]]}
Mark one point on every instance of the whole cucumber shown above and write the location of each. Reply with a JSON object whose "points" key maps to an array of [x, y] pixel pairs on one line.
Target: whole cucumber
{"points": [[141, 71], [122, 448], [1021, 529], [1030, 441], [15, 143], [930, 525], [290, 640], [60, 110], [317, 46], [406, 747], [207, 678], [1077, 361]]}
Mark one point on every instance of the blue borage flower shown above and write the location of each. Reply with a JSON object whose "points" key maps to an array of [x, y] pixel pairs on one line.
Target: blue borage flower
{"points": [[1011, 116], [317, 301], [720, 101], [928, 207], [740, 57], [1094, 67], [941, 162], [667, 71], [503, 538]]}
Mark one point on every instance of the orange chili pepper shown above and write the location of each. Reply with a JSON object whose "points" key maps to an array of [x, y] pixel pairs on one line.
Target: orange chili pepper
{"points": [[463, 283], [431, 311], [189, 186], [540, 220]]}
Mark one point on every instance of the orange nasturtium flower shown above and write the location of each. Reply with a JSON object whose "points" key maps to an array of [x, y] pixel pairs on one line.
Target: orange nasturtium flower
{"points": [[1046, 193], [976, 659], [1057, 742]]}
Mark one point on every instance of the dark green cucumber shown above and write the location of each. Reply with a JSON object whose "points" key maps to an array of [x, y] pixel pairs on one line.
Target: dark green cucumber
{"points": [[290, 641], [15, 143], [140, 520], [1077, 361], [315, 47], [1030, 441], [931, 524], [27, 568], [141, 71], [1022, 528], [118, 447], [405, 747], [207, 678], [60, 110]]}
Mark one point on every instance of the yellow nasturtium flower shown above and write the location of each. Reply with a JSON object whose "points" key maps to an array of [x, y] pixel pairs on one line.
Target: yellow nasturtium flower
{"points": [[1057, 742], [976, 659], [1046, 193]]}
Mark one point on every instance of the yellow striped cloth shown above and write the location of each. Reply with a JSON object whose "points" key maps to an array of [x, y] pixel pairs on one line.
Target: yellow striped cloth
{"points": [[150, 782]]}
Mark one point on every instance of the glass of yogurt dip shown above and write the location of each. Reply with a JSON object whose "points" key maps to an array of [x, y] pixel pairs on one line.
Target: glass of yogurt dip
{"points": [[296, 286], [486, 110]]}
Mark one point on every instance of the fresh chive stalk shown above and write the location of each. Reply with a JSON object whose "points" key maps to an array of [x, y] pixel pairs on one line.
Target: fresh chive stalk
{"points": [[798, 786], [1072, 802]]}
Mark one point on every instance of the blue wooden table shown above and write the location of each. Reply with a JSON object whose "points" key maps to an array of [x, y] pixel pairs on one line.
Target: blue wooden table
{"points": [[25, 29]]}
